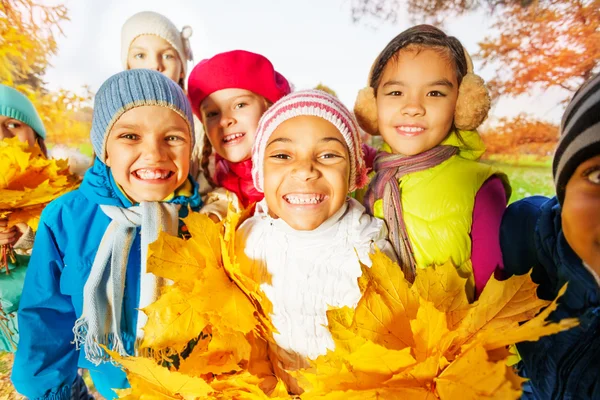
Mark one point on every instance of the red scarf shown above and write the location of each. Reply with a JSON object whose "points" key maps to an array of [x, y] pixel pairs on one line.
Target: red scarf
{"points": [[237, 178]]}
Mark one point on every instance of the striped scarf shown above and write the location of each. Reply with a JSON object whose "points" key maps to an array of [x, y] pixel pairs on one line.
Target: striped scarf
{"points": [[100, 321], [389, 170]]}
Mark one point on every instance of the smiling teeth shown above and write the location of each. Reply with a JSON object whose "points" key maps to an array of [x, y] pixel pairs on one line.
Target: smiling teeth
{"points": [[410, 129], [152, 174], [229, 138], [312, 199]]}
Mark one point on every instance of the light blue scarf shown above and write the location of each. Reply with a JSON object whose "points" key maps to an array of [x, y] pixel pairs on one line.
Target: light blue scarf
{"points": [[100, 321]]}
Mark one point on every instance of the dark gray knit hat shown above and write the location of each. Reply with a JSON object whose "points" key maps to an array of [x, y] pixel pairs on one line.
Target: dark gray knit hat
{"points": [[579, 134], [130, 89]]}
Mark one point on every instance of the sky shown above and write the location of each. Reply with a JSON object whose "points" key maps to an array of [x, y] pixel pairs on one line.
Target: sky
{"points": [[308, 41]]}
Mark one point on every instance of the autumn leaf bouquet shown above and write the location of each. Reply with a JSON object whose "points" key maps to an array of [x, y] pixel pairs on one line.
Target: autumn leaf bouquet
{"points": [[209, 334], [28, 181]]}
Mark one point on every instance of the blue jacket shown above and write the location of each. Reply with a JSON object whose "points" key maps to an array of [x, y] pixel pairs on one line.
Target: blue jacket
{"points": [[565, 365], [66, 242]]}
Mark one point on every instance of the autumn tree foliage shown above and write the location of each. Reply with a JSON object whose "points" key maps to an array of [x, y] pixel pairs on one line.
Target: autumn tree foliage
{"points": [[537, 45], [521, 135], [540, 43], [28, 34]]}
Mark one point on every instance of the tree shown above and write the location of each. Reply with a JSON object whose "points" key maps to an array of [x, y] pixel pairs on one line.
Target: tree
{"points": [[521, 135], [28, 39], [541, 43]]}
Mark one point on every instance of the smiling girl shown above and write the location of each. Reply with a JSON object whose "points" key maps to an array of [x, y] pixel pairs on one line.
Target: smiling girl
{"points": [[229, 93], [307, 238], [440, 204]]}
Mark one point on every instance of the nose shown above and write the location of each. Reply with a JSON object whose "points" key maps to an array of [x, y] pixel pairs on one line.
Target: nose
{"points": [[305, 170], [157, 63], [154, 150], [226, 120], [413, 107]]}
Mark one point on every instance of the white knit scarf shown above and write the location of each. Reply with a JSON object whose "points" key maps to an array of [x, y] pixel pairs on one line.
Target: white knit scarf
{"points": [[100, 321]]}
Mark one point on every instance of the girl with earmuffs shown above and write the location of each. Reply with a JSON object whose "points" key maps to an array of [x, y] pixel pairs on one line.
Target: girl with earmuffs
{"points": [[440, 203]]}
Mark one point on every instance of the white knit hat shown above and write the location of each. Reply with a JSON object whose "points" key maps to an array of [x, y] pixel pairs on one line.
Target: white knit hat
{"points": [[151, 23], [311, 103]]}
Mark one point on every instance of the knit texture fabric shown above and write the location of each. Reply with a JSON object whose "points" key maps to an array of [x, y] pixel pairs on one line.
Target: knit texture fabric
{"points": [[579, 134], [310, 103], [100, 321], [130, 89], [14, 104], [151, 23], [237, 69]]}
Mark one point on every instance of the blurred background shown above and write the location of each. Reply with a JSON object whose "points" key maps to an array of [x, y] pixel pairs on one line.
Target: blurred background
{"points": [[533, 55]]}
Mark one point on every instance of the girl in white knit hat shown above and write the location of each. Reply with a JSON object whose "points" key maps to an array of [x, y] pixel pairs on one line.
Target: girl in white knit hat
{"points": [[150, 40], [307, 236]]}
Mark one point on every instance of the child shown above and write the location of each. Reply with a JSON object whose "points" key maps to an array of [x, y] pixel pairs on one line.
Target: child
{"points": [[440, 204], [560, 238], [150, 40], [304, 237], [18, 118], [87, 273], [229, 93]]}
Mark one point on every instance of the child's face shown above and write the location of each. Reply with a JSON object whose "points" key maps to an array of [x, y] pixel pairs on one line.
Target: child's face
{"points": [[416, 98], [10, 128], [581, 212], [307, 168], [230, 118], [148, 150], [153, 52]]}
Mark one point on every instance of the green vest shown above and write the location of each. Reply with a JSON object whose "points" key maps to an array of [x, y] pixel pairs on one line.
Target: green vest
{"points": [[438, 205]]}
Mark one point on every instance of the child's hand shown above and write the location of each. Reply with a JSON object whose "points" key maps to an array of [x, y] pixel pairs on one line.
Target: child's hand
{"points": [[8, 235]]}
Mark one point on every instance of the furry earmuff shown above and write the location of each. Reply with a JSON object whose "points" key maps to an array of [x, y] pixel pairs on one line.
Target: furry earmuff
{"points": [[472, 105]]}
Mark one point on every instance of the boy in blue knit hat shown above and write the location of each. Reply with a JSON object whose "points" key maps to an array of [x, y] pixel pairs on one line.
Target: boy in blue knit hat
{"points": [[87, 276]]}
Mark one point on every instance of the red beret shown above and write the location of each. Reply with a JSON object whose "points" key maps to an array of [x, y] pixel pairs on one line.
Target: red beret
{"points": [[235, 69]]}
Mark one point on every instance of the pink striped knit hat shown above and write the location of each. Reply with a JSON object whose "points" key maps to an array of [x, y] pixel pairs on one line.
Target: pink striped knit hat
{"points": [[311, 103]]}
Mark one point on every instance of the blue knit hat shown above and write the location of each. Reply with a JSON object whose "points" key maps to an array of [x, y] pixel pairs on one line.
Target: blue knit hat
{"points": [[14, 104], [130, 89]]}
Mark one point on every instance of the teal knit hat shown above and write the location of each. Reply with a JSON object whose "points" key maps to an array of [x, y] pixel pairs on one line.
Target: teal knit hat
{"points": [[14, 104], [130, 89]]}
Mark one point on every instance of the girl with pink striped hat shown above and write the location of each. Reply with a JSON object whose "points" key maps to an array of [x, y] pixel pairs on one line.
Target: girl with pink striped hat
{"points": [[307, 236]]}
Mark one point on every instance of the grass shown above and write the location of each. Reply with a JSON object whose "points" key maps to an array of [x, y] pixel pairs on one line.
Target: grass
{"points": [[527, 176]]}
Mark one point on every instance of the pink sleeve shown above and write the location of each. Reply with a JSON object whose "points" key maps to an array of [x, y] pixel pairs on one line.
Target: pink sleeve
{"points": [[486, 256]]}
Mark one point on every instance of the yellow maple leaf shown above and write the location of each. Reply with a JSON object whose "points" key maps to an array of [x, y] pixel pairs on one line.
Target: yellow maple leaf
{"points": [[472, 376], [148, 375], [28, 181], [456, 353], [502, 305]]}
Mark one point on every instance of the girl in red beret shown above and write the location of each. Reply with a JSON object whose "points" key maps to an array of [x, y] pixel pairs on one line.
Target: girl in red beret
{"points": [[229, 93]]}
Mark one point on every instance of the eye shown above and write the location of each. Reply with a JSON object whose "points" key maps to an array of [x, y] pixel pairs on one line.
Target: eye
{"points": [[13, 125], [211, 114], [129, 136], [139, 56], [593, 175], [330, 155], [280, 156], [436, 93], [168, 56], [394, 93], [240, 105], [173, 138]]}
